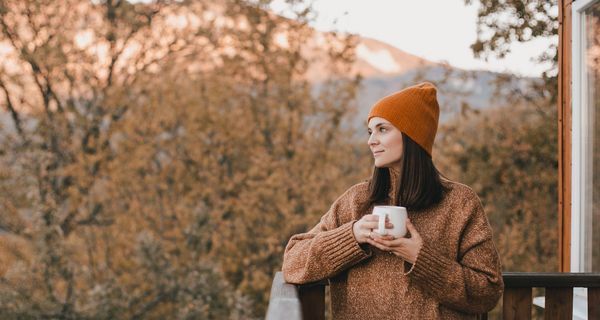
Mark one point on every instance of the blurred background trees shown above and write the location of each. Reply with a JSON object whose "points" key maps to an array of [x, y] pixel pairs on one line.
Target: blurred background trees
{"points": [[510, 159], [160, 154], [514, 162], [156, 157]]}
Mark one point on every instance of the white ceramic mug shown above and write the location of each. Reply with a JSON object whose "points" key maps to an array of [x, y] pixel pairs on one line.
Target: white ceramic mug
{"points": [[397, 216]]}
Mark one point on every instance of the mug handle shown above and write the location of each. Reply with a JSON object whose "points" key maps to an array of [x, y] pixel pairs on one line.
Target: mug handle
{"points": [[381, 229]]}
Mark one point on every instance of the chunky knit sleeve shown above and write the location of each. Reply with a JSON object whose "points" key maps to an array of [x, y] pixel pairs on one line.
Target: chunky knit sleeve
{"points": [[472, 281], [327, 249]]}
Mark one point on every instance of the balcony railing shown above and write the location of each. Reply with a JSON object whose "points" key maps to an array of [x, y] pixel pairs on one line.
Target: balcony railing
{"points": [[293, 302]]}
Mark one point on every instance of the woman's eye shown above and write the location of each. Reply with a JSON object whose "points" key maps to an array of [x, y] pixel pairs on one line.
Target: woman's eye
{"points": [[382, 129]]}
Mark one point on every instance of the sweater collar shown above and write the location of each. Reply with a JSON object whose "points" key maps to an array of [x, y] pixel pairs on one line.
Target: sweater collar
{"points": [[394, 184]]}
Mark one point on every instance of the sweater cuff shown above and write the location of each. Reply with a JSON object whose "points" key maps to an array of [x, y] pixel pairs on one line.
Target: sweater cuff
{"points": [[431, 269], [408, 267], [341, 247]]}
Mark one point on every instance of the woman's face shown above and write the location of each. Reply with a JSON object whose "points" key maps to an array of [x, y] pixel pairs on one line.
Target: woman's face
{"points": [[385, 142]]}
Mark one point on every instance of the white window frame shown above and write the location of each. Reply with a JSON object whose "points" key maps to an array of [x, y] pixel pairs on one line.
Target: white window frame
{"points": [[580, 230]]}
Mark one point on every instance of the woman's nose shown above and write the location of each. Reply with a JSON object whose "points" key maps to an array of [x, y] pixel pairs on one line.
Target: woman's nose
{"points": [[372, 140]]}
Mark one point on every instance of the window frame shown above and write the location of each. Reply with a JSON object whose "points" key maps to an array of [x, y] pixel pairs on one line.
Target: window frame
{"points": [[580, 250]]}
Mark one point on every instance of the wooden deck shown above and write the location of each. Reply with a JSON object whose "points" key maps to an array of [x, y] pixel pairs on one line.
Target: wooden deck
{"points": [[293, 302]]}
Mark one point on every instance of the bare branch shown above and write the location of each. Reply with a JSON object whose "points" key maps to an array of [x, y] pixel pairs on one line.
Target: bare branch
{"points": [[163, 296], [13, 112]]}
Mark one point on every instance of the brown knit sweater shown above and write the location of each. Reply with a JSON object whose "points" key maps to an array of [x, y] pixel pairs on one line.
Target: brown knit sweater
{"points": [[457, 273]]}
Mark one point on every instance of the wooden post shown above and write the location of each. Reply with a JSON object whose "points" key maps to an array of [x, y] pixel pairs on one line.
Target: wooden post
{"points": [[559, 304], [312, 299], [564, 134], [516, 304], [593, 303]]}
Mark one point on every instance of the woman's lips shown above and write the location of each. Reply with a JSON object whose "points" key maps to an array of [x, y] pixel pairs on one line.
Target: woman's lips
{"points": [[376, 153]]}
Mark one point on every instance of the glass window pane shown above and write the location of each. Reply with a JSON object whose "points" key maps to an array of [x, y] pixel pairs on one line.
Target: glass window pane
{"points": [[591, 245]]}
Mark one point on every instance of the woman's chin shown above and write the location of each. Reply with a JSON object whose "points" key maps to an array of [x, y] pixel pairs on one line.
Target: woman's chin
{"points": [[380, 165]]}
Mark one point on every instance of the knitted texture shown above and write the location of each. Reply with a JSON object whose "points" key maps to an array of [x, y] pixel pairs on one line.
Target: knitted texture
{"points": [[414, 111], [457, 274]]}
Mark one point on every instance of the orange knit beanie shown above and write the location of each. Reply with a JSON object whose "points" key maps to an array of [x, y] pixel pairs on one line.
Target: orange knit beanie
{"points": [[414, 111]]}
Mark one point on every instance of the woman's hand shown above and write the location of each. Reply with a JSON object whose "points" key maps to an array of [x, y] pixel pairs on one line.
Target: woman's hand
{"points": [[405, 248], [363, 228]]}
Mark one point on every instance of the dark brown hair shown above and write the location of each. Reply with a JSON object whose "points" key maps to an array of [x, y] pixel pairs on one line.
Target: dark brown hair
{"points": [[420, 184]]}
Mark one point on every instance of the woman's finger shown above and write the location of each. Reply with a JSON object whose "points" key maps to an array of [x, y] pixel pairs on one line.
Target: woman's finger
{"points": [[369, 225], [376, 235], [378, 245], [370, 217], [398, 242], [388, 237], [411, 228]]}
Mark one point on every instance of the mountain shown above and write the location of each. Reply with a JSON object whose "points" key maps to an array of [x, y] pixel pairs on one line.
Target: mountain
{"points": [[457, 89], [386, 69], [373, 59], [379, 59]]}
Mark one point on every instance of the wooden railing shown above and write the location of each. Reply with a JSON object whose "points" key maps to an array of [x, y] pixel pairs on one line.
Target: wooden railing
{"points": [[517, 297], [293, 302]]}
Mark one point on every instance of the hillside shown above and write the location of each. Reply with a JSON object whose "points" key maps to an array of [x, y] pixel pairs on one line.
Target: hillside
{"points": [[385, 69]]}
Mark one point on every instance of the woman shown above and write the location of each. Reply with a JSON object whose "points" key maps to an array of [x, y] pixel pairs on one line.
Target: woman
{"points": [[448, 267]]}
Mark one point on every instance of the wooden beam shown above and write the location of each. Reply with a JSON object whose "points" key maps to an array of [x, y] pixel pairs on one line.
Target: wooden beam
{"points": [[284, 302], [516, 303], [551, 279], [564, 134]]}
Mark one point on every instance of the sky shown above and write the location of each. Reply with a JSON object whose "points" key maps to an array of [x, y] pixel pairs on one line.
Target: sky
{"points": [[437, 30]]}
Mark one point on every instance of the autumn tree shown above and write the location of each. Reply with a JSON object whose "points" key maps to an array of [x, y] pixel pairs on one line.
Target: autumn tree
{"points": [[160, 155], [503, 23], [512, 166], [509, 154]]}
